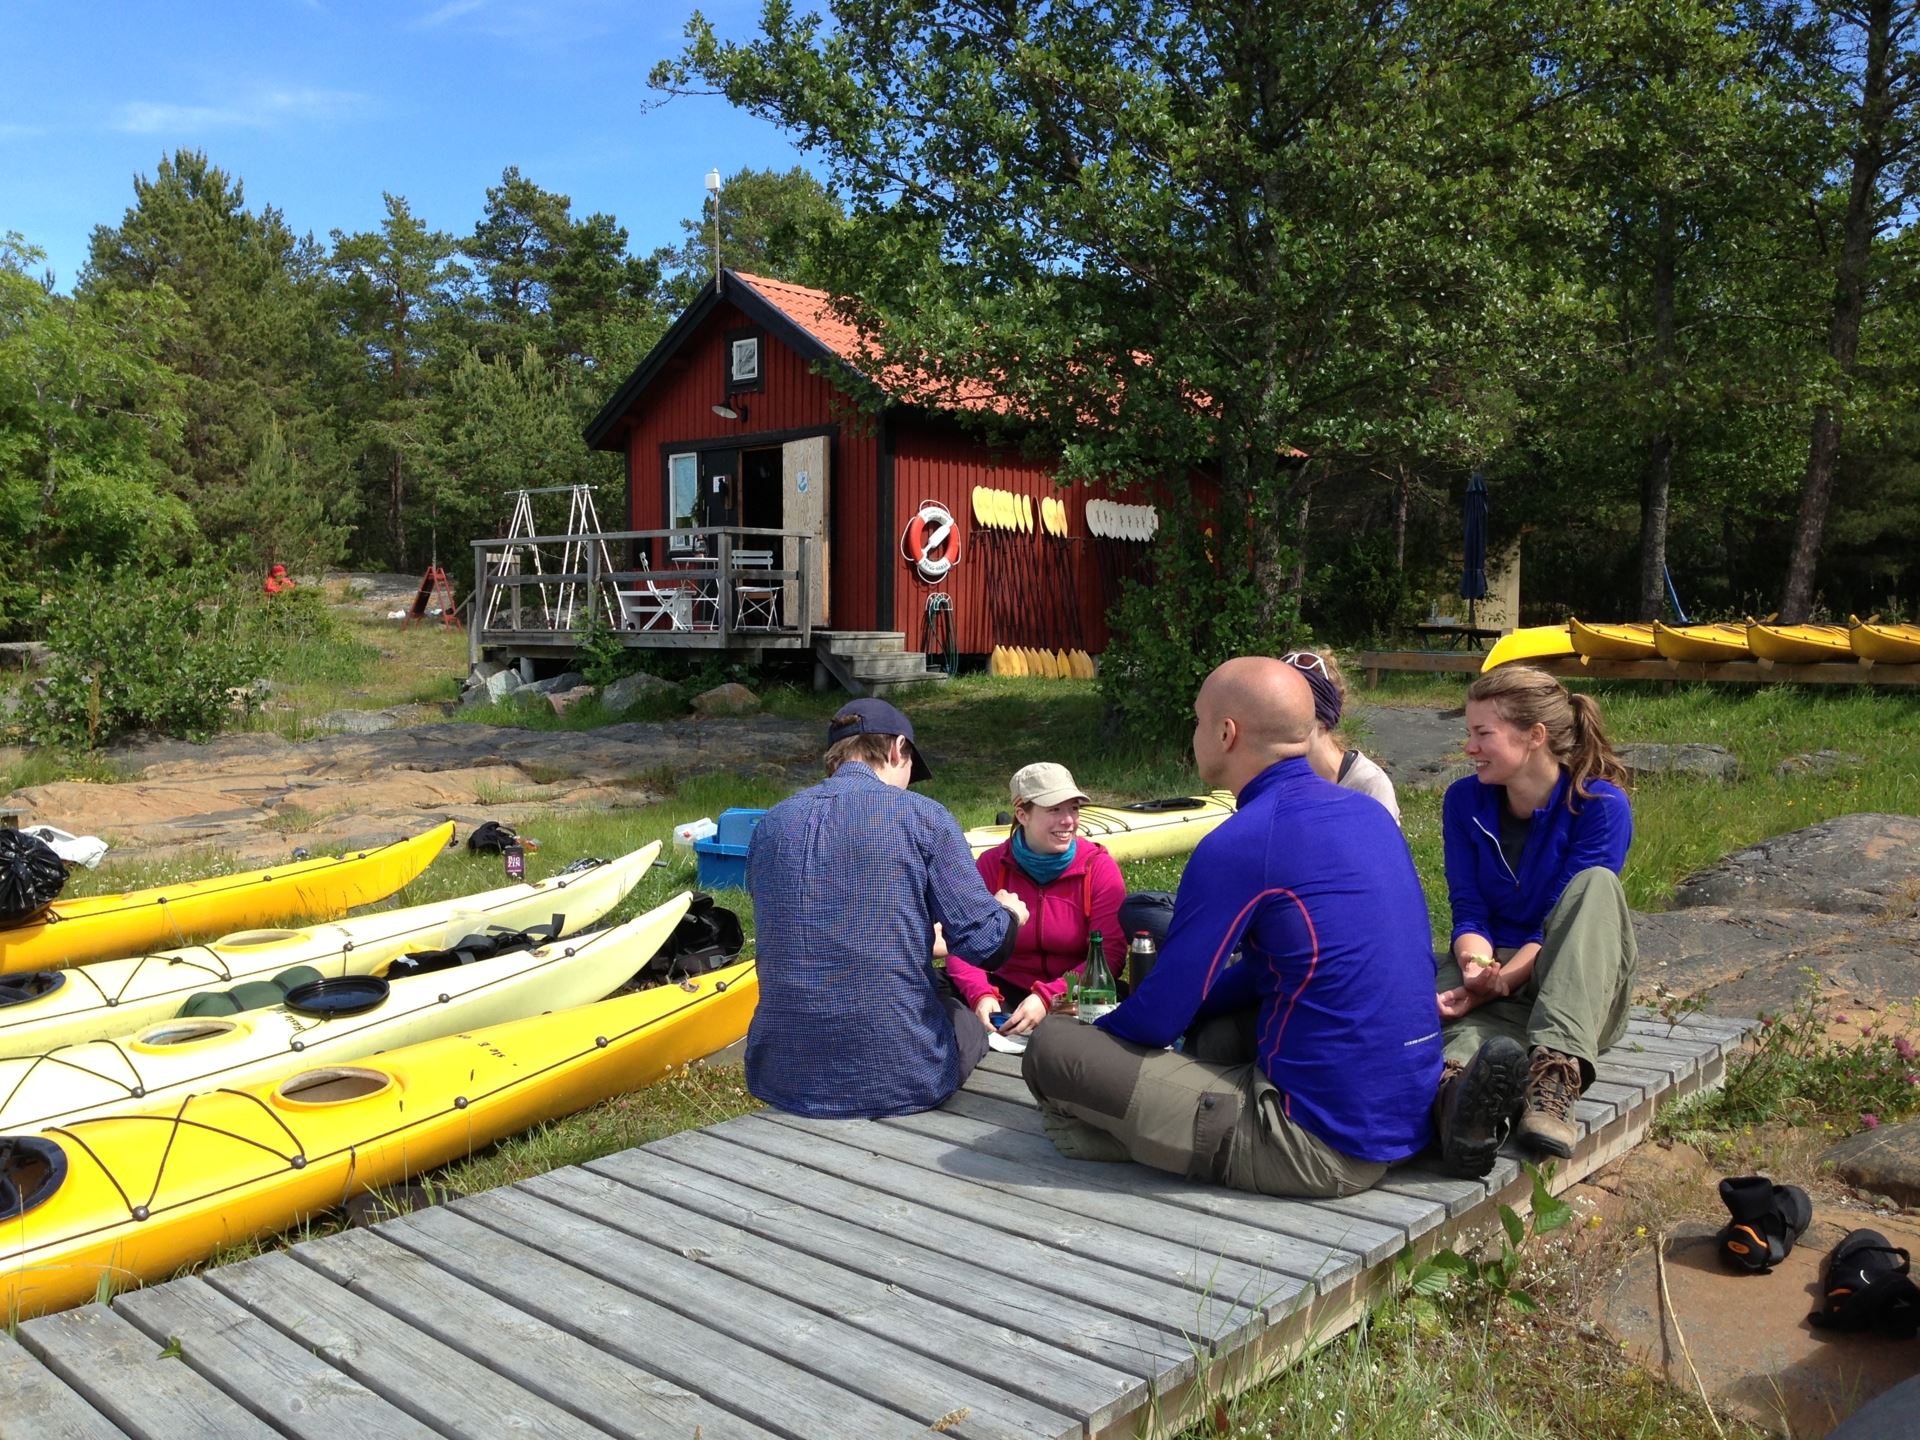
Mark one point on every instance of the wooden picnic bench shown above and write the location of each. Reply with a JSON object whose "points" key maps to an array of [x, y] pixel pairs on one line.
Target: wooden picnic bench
{"points": [[771, 1275]]}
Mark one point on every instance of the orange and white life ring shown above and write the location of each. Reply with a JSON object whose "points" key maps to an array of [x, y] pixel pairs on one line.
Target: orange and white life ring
{"points": [[931, 542]]}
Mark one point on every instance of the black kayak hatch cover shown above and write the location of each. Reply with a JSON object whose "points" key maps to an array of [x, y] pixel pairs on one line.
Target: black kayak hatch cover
{"points": [[338, 995]]}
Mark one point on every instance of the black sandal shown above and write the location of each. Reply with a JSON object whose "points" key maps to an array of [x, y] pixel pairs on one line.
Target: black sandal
{"points": [[1767, 1219], [1867, 1288]]}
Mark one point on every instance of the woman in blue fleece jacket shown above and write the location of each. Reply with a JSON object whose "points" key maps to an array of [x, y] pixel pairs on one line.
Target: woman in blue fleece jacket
{"points": [[1540, 970]]}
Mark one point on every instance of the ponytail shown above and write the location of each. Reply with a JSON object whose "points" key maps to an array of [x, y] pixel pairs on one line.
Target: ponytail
{"points": [[1591, 757]]}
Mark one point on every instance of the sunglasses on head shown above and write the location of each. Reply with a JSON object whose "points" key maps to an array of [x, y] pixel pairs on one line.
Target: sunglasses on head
{"points": [[1304, 660]]}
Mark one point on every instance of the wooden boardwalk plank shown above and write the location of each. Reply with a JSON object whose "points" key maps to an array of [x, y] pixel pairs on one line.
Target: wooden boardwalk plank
{"points": [[124, 1376], [555, 1364], [282, 1382], [779, 1397], [824, 1346], [1112, 1195], [1035, 1366], [457, 1396], [988, 1292], [1176, 1297], [46, 1409]]}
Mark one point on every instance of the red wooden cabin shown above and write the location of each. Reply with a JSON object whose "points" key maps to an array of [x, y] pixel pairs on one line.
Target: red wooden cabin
{"points": [[736, 419]]}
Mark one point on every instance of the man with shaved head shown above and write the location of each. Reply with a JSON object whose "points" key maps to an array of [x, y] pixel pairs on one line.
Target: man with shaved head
{"points": [[1298, 959]]}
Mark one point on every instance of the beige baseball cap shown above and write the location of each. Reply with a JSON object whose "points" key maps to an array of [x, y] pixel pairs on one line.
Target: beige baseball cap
{"points": [[1044, 784]]}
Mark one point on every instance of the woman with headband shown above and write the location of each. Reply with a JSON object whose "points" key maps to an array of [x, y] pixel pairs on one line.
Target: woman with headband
{"points": [[1329, 754]]}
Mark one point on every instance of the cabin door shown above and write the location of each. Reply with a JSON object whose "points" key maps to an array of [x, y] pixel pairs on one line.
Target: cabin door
{"points": [[803, 485]]}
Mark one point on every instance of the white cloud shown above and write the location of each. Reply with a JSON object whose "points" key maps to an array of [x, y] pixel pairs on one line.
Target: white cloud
{"points": [[451, 10], [11, 130], [262, 109]]}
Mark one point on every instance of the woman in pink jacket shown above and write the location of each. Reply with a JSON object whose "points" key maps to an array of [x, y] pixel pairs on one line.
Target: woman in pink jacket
{"points": [[1071, 887]]}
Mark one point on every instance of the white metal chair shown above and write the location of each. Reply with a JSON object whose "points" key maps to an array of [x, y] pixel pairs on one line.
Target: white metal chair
{"points": [[756, 602], [645, 605]]}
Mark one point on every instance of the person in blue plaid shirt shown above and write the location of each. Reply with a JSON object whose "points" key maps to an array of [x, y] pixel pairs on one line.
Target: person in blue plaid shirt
{"points": [[849, 879]]}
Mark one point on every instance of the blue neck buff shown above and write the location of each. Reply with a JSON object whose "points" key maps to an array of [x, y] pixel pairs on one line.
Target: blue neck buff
{"points": [[1042, 869]]}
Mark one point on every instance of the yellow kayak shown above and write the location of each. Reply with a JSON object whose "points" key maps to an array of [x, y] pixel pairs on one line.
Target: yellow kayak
{"points": [[1799, 644], [1135, 832], [158, 1065], [42, 1009], [1629, 641], [104, 927], [1718, 641], [1886, 644], [1530, 642], [135, 1197]]}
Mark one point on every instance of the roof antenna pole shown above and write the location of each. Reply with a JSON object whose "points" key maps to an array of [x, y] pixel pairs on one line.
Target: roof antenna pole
{"points": [[713, 189]]}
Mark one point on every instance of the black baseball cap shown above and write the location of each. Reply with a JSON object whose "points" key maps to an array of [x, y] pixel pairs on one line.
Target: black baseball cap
{"points": [[877, 717]]}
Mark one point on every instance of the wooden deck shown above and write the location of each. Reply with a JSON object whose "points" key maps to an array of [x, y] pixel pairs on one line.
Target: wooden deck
{"points": [[778, 1276]]}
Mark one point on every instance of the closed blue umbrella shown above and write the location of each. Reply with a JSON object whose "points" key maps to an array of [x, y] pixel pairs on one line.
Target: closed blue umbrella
{"points": [[1473, 567]]}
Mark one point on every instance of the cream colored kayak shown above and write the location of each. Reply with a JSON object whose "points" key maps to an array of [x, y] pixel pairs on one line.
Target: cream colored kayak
{"points": [[1135, 832], [134, 1197], [48, 1008], [159, 1065]]}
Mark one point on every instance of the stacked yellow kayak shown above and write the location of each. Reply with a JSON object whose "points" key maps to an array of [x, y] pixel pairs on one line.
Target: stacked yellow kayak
{"points": [[1799, 644], [43, 1009], [1885, 644], [135, 1197], [1045, 664], [1529, 642], [1136, 832], [1612, 642], [1710, 643], [100, 927], [164, 1062]]}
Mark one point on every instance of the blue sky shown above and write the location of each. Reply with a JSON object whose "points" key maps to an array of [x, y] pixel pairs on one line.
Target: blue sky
{"points": [[320, 105]]}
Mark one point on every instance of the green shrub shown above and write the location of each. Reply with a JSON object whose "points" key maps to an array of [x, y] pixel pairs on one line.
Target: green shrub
{"points": [[137, 650]]}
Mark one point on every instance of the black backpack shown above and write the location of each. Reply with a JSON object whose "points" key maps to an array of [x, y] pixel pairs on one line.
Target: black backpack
{"points": [[31, 874], [707, 938]]}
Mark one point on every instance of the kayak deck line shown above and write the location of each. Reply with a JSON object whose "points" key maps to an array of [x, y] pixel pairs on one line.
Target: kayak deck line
{"points": [[776, 1275]]}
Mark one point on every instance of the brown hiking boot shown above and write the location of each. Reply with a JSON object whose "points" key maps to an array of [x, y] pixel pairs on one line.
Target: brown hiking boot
{"points": [[1553, 1084], [1474, 1105]]}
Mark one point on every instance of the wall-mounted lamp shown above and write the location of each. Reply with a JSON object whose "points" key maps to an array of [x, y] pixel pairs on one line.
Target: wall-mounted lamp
{"points": [[727, 412]]}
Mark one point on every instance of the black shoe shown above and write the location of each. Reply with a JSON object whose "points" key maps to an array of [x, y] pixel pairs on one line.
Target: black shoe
{"points": [[1476, 1105], [1867, 1288], [1767, 1219]]}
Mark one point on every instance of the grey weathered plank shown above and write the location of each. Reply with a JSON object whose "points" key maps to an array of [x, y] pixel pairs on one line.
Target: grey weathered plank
{"points": [[1175, 1296], [1707, 1042], [122, 1374], [1676, 1057], [977, 1103], [1621, 1097], [962, 1282], [1231, 1218], [1725, 1026], [1298, 1219], [1002, 1086], [277, 1379], [434, 1382], [38, 1404], [565, 1369], [777, 1396], [823, 1345], [1031, 1365]]}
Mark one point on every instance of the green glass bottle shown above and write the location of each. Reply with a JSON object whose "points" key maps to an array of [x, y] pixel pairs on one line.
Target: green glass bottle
{"points": [[1098, 993]]}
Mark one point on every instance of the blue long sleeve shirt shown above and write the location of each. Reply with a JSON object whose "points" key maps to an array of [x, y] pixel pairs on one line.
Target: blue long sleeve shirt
{"points": [[1510, 905], [1315, 887], [847, 880]]}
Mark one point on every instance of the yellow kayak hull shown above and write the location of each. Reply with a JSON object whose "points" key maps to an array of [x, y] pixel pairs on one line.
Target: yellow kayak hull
{"points": [[1530, 642], [1886, 644], [1708, 643], [1130, 833], [1800, 644], [105, 927], [158, 1066], [1629, 641], [116, 997], [225, 1167]]}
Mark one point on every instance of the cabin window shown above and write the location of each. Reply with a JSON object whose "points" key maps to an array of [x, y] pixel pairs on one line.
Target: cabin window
{"points": [[743, 360], [683, 494]]}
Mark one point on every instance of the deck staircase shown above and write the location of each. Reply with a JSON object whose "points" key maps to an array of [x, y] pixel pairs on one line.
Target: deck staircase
{"points": [[868, 662]]}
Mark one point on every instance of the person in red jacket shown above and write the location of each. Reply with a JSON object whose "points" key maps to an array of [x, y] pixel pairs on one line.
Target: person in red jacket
{"points": [[278, 581], [1071, 887]]}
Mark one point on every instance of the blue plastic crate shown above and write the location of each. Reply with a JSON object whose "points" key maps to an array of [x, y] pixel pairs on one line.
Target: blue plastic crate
{"points": [[721, 867], [736, 827]]}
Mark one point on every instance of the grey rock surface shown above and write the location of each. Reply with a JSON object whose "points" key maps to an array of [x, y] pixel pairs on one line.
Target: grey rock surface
{"points": [[1819, 762], [729, 699], [1705, 762], [630, 689], [565, 680], [1882, 1161], [1861, 864]]}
